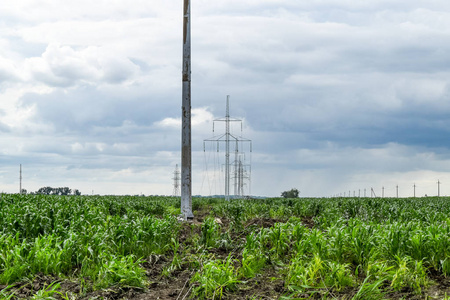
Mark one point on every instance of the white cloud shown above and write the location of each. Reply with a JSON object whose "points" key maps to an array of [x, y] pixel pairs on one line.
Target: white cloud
{"points": [[63, 66], [335, 95], [49, 10], [200, 118]]}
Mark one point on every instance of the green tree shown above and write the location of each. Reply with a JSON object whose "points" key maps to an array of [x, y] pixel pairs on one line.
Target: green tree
{"points": [[293, 193], [47, 190], [62, 191]]}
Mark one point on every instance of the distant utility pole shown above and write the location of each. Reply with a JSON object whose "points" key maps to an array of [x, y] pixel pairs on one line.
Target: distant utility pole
{"points": [[176, 182], [359, 193], [439, 190], [364, 193], [20, 177], [397, 190], [186, 150], [382, 193], [414, 190]]}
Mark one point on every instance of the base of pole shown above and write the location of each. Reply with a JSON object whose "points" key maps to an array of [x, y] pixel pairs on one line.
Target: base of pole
{"points": [[183, 218]]}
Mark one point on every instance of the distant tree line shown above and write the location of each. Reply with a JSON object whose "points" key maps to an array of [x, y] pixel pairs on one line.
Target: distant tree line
{"points": [[62, 191], [293, 193]]}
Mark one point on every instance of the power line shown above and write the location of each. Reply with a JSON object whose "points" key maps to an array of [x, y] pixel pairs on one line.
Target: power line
{"points": [[239, 175]]}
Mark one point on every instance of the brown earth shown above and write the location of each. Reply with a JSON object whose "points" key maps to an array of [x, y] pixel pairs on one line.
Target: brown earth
{"points": [[177, 286]]}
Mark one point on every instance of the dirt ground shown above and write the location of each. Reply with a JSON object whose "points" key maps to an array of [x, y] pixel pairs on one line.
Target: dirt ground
{"points": [[177, 286]]}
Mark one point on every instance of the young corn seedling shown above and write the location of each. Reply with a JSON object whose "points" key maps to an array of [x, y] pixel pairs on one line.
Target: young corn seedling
{"points": [[338, 276], [13, 259], [215, 279], [253, 261], [235, 212], [48, 292], [445, 266], [119, 271], [7, 295], [409, 273], [280, 242], [210, 233], [305, 272], [370, 290], [176, 260]]}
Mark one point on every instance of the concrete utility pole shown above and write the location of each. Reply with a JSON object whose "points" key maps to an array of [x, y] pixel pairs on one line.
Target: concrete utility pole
{"points": [[397, 190], [372, 194], [227, 152], [186, 150], [439, 189], [414, 190]]}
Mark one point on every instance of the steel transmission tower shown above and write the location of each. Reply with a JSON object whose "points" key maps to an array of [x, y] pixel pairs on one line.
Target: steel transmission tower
{"points": [[176, 182], [229, 138], [186, 150], [242, 176], [20, 178]]}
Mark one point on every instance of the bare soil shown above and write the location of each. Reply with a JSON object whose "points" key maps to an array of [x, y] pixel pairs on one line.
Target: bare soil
{"points": [[177, 286]]}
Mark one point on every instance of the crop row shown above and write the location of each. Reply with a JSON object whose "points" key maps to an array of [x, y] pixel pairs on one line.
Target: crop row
{"points": [[370, 247]]}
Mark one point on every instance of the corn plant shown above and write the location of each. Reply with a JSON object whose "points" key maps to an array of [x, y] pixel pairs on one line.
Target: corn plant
{"points": [[6, 293], [252, 263], [338, 276], [13, 262], [370, 290], [279, 241], [210, 233], [409, 273], [176, 260], [373, 245], [119, 271], [215, 279], [48, 292]]}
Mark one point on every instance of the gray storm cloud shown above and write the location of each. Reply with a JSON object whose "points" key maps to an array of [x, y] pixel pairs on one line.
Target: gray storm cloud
{"points": [[336, 95]]}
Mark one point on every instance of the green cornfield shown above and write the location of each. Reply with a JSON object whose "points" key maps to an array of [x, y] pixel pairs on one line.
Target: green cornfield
{"points": [[124, 247]]}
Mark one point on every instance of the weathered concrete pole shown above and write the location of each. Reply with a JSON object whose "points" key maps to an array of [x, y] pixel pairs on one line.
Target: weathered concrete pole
{"points": [[186, 153]]}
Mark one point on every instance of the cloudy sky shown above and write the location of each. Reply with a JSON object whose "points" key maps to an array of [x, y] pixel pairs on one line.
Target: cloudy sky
{"points": [[338, 96]]}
